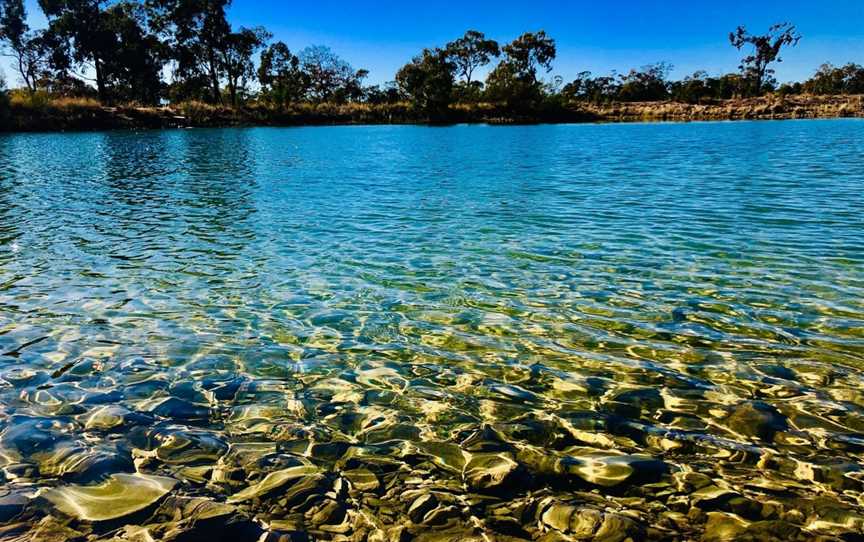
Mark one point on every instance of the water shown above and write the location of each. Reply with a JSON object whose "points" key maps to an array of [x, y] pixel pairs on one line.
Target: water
{"points": [[654, 331]]}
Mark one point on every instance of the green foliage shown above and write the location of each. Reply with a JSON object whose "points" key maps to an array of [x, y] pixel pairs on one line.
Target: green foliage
{"points": [[282, 80], [25, 47], [646, 85], [330, 79], [514, 81], [428, 81], [589, 89], [236, 53], [110, 38], [389, 94], [194, 31], [830, 80], [470, 52], [127, 44]]}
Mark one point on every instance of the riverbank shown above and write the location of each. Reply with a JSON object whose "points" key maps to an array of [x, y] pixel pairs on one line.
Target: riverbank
{"points": [[83, 115]]}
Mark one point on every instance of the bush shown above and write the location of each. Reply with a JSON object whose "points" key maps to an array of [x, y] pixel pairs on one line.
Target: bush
{"points": [[848, 79], [21, 98]]}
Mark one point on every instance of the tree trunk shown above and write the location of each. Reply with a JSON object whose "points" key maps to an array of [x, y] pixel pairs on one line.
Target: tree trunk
{"points": [[100, 81], [233, 89], [25, 75], [214, 80]]}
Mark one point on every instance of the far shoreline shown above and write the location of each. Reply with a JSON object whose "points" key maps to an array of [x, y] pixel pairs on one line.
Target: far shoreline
{"points": [[88, 117]]}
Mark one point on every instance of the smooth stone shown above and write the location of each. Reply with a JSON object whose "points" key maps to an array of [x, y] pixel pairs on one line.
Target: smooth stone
{"points": [[76, 463], [538, 432], [121, 496], [448, 456], [362, 479], [329, 451], [558, 516], [635, 402], [330, 517], [108, 417], [303, 490], [711, 497], [189, 447], [757, 419], [222, 389], [722, 527], [178, 409], [490, 471], [25, 435], [11, 505], [272, 482], [602, 468], [401, 432], [421, 506], [486, 439], [585, 524], [50, 529]]}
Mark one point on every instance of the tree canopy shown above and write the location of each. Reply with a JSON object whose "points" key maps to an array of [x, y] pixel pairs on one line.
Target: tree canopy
{"points": [[755, 67], [157, 51]]}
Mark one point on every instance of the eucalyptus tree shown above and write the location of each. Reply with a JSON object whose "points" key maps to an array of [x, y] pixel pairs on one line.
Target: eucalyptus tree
{"points": [[24, 46], [108, 39], [515, 79], [80, 40], [282, 81], [135, 63], [530, 52], [236, 57], [428, 81], [470, 52], [195, 32], [330, 78], [766, 48]]}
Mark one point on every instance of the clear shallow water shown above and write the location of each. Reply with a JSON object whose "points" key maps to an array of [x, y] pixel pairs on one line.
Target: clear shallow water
{"points": [[652, 331]]}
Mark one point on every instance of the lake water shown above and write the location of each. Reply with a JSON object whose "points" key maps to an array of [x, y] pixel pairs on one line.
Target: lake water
{"points": [[648, 331]]}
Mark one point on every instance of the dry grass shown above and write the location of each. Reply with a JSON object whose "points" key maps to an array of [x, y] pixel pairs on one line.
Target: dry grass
{"points": [[40, 99], [75, 103]]}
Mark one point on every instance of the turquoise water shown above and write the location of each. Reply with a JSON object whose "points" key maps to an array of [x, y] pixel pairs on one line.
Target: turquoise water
{"points": [[544, 331]]}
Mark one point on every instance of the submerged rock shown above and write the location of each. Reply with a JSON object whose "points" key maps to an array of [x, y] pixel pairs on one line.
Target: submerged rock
{"points": [[274, 481], [72, 461], [584, 523], [636, 402], [758, 420], [113, 418], [490, 471], [608, 469], [11, 505], [121, 496], [179, 409], [445, 455]]}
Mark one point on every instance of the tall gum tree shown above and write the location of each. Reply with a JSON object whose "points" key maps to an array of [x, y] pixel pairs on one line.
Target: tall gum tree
{"points": [[765, 50]]}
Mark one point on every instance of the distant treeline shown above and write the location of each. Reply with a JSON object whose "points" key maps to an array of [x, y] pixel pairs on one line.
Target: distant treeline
{"points": [[153, 52]]}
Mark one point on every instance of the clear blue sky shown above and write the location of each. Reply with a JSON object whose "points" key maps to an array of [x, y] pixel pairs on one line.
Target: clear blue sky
{"points": [[382, 35]]}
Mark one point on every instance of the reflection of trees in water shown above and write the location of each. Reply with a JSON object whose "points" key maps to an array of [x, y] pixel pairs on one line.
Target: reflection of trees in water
{"points": [[10, 217], [221, 274], [218, 188], [137, 167]]}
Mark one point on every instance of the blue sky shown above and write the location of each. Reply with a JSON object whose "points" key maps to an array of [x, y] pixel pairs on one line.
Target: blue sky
{"points": [[591, 35]]}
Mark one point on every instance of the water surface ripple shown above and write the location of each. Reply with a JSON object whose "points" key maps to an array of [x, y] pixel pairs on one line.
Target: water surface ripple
{"points": [[652, 331]]}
